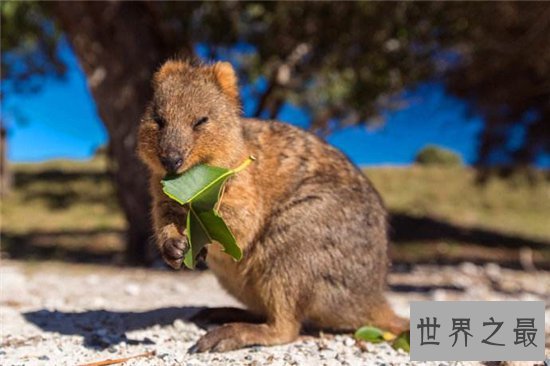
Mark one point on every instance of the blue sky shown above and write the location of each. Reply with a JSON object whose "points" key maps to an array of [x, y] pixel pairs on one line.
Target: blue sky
{"points": [[60, 121]]}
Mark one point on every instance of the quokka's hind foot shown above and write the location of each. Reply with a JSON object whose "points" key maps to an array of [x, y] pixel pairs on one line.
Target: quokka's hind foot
{"points": [[238, 335]]}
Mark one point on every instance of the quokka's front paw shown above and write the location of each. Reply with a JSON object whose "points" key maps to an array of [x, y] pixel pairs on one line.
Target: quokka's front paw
{"points": [[173, 249]]}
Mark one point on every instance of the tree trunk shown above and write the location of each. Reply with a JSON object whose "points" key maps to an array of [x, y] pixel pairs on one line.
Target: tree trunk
{"points": [[5, 173], [119, 46]]}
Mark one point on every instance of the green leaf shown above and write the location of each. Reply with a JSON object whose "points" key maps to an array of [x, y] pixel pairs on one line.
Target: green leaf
{"points": [[377, 335], [403, 341], [198, 238], [370, 334], [184, 188], [200, 188], [205, 227]]}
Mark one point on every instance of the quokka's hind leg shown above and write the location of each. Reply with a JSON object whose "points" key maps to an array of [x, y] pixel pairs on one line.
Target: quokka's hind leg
{"points": [[238, 335], [224, 315], [283, 319]]}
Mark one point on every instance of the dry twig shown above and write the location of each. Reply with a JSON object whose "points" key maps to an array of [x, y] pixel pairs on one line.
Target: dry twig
{"points": [[119, 360]]}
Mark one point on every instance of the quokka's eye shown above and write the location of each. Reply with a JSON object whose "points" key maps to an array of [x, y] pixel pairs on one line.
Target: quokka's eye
{"points": [[200, 121], [159, 121]]}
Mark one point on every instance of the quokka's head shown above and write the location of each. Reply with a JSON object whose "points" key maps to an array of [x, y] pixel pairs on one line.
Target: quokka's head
{"points": [[192, 119]]}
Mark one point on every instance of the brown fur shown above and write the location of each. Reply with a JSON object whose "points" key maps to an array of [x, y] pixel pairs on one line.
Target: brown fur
{"points": [[312, 228]]}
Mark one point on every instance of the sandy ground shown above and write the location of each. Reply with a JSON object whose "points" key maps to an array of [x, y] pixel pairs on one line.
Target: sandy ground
{"points": [[62, 314]]}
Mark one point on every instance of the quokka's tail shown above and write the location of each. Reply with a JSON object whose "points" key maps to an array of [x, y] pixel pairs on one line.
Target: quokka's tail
{"points": [[386, 319]]}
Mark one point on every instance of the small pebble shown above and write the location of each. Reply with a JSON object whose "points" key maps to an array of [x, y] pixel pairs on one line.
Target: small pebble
{"points": [[180, 288], [92, 280], [132, 289], [492, 270], [469, 268], [179, 324], [348, 342], [328, 354]]}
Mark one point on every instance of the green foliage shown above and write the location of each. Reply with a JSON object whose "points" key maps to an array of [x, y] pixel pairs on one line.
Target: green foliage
{"points": [[403, 341], [342, 61], [29, 44], [200, 189], [377, 335], [503, 67], [371, 334], [436, 155]]}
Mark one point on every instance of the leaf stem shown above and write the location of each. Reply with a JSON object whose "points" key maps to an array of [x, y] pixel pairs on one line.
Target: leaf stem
{"points": [[244, 164]]}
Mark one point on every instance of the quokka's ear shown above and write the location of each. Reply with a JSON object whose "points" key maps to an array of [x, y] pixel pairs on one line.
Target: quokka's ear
{"points": [[169, 68], [226, 78]]}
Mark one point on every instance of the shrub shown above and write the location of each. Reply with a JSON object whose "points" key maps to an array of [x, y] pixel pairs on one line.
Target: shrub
{"points": [[435, 155]]}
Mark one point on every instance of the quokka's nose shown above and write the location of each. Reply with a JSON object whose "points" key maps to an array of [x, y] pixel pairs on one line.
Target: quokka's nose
{"points": [[171, 163]]}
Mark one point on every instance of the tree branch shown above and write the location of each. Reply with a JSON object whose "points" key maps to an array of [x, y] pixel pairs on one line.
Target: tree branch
{"points": [[280, 78]]}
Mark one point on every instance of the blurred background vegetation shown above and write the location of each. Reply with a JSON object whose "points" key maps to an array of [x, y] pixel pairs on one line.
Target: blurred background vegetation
{"points": [[345, 63]]}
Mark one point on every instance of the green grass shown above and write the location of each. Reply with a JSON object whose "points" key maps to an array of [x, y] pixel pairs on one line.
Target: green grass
{"points": [[63, 209], [517, 205], [61, 196]]}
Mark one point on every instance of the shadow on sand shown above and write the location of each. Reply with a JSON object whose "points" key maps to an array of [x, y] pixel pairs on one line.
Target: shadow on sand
{"points": [[77, 246], [406, 228], [428, 240], [101, 329]]}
